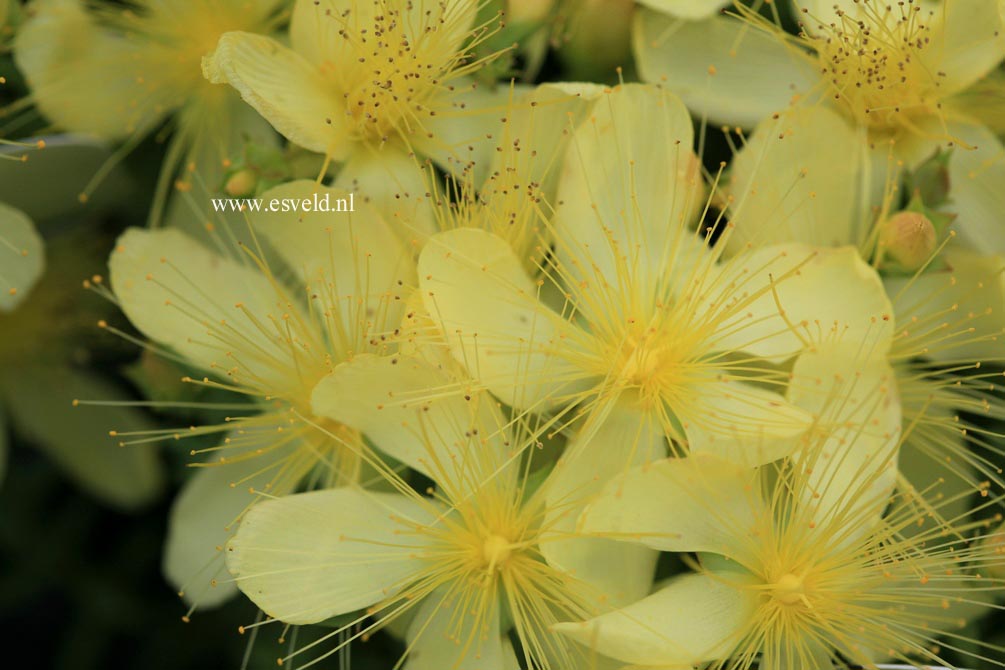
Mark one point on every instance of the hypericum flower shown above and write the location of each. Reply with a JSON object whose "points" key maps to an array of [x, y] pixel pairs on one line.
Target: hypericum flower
{"points": [[465, 561], [367, 82], [241, 326], [119, 72], [44, 330], [797, 178], [655, 340], [785, 581], [897, 71], [22, 257]]}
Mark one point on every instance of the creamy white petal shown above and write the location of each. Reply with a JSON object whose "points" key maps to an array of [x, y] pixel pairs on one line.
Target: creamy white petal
{"points": [[695, 618], [630, 187], [203, 517], [687, 9], [792, 296], [797, 179], [180, 294], [955, 314], [966, 42], [475, 288], [421, 416], [308, 557], [288, 91], [357, 253], [700, 503], [721, 67], [742, 423], [612, 443], [855, 397], [440, 636], [396, 184]]}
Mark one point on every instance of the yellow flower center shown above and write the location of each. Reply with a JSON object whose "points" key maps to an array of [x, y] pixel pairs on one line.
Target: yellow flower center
{"points": [[398, 63], [789, 589], [654, 362], [496, 551], [873, 63]]}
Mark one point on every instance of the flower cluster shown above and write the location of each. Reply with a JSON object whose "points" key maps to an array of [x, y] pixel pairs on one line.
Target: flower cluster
{"points": [[563, 390]]}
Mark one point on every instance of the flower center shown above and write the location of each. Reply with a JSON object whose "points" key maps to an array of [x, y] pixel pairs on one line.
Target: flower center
{"points": [[789, 589], [872, 62], [399, 62], [652, 362], [496, 551]]}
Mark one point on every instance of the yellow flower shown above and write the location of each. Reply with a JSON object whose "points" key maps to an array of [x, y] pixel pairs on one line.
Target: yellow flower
{"points": [[462, 561], [267, 332], [368, 82], [652, 339], [119, 72], [798, 178], [785, 580], [899, 72]]}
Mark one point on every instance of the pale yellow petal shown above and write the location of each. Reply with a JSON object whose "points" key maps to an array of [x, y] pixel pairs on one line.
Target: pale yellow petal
{"points": [[695, 618], [617, 572], [465, 128], [797, 180], [700, 503], [797, 296], [356, 251], [22, 257], [539, 127], [631, 183], [977, 187], [203, 517], [967, 40], [311, 556], [92, 83], [476, 290], [721, 67], [437, 638], [856, 399], [288, 91], [180, 294], [415, 412], [393, 182], [742, 423]]}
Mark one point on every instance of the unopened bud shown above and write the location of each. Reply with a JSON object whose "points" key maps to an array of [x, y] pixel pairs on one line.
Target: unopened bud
{"points": [[908, 239], [242, 183]]}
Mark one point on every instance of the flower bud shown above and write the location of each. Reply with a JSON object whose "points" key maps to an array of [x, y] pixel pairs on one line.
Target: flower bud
{"points": [[241, 184], [908, 239]]}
